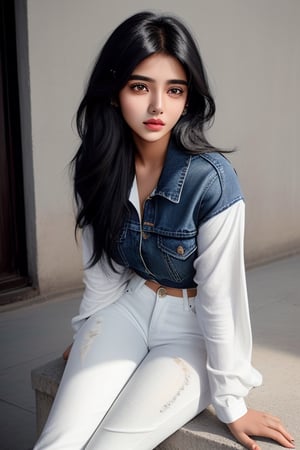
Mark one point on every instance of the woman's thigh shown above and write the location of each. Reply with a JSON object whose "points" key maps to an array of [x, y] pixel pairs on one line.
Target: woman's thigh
{"points": [[168, 389], [105, 353]]}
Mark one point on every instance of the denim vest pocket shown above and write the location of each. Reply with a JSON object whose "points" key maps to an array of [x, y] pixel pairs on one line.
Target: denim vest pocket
{"points": [[178, 256]]}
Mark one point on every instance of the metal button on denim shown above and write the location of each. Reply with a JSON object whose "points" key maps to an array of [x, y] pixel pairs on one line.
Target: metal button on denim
{"points": [[161, 292]]}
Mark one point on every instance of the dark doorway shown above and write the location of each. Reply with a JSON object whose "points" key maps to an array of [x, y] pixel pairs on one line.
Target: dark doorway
{"points": [[13, 254]]}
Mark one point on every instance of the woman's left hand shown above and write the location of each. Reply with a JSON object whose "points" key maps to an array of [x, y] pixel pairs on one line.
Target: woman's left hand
{"points": [[257, 423], [67, 352]]}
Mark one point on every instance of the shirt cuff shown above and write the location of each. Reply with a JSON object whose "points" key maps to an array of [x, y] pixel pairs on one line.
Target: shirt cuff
{"points": [[232, 409]]}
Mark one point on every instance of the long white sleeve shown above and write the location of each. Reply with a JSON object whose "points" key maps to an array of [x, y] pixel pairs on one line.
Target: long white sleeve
{"points": [[223, 313], [103, 286]]}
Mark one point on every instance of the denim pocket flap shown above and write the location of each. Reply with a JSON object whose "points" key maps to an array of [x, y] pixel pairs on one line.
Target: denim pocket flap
{"points": [[178, 248]]}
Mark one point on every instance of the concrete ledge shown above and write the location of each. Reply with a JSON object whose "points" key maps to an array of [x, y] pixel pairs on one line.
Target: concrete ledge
{"points": [[45, 381], [205, 432]]}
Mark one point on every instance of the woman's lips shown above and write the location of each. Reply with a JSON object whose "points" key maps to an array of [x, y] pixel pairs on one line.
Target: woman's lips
{"points": [[154, 124]]}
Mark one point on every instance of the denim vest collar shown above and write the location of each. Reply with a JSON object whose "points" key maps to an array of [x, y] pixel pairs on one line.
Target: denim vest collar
{"points": [[173, 175]]}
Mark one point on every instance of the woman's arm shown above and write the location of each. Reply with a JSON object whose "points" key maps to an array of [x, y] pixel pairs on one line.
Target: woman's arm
{"points": [[103, 286], [223, 314]]}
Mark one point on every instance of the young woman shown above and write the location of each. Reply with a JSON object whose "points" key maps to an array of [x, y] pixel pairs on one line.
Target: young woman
{"points": [[163, 328]]}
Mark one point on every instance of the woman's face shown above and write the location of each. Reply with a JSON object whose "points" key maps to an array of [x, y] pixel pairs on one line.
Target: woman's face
{"points": [[154, 97]]}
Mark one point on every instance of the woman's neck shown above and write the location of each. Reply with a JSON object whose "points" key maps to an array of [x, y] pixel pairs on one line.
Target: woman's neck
{"points": [[151, 155], [149, 162]]}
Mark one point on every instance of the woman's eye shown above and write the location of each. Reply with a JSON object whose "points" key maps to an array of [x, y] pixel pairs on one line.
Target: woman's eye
{"points": [[138, 87], [175, 91]]}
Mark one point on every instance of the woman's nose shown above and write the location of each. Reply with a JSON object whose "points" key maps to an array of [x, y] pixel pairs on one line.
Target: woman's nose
{"points": [[155, 110], [155, 106]]}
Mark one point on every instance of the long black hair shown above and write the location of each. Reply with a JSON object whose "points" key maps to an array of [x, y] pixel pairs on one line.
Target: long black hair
{"points": [[104, 163]]}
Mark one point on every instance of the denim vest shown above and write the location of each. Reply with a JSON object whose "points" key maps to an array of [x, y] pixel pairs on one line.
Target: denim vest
{"points": [[191, 190]]}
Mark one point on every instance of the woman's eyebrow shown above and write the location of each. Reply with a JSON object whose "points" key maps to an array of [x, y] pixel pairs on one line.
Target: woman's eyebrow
{"points": [[151, 80]]}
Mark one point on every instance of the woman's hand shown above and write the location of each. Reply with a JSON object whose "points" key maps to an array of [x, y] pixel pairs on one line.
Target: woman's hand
{"points": [[67, 352], [257, 423]]}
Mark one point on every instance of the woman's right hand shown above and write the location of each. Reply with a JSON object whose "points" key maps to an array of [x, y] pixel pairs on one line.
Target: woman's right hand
{"points": [[257, 423], [67, 352]]}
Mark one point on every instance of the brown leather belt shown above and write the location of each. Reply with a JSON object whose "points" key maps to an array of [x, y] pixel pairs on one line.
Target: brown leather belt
{"points": [[162, 291]]}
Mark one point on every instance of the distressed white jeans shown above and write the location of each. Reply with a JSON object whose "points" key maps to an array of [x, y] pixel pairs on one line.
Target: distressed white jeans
{"points": [[136, 373]]}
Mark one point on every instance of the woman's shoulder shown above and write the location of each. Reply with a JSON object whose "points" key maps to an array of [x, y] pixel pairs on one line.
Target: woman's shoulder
{"points": [[214, 166], [216, 163], [222, 183]]}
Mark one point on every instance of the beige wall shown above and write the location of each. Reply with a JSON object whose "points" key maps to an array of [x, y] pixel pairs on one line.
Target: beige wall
{"points": [[251, 51]]}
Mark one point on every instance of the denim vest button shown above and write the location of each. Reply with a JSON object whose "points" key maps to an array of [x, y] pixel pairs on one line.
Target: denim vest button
{"points": [[180, 250], [145, 235]]}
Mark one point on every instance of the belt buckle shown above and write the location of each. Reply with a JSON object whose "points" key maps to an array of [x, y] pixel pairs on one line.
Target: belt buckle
{"points": [[161, 292]]}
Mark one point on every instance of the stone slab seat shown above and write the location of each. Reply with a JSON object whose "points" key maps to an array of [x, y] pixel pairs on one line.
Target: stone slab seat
{"points": [[205, 432]]}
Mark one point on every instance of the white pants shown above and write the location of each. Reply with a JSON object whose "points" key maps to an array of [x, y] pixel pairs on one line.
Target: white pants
{"points": [[136, 373]]}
